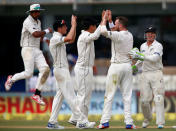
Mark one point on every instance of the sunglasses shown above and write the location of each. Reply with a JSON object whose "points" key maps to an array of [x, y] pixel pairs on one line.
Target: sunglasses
{"points": [[62, 22]]}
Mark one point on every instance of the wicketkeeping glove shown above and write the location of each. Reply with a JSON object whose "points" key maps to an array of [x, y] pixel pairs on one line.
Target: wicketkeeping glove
{"points": [[134, 69], [135, 54]]}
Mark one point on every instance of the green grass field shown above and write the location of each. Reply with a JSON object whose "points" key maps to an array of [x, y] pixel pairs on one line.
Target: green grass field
{"points": [[19, 125]]}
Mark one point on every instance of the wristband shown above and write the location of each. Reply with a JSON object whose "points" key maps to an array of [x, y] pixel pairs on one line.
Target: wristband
{"points": [[111, 25], [45, 39], [46, 31]]}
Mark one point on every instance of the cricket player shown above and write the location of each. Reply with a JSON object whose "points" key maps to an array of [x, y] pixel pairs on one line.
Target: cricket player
{"points": [[120, 72], [63, 80], [84, 65], [151, 84], [32, 55]]}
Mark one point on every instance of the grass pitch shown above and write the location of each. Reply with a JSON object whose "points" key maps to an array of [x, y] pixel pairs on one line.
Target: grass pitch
{"points": [[19, 125]]}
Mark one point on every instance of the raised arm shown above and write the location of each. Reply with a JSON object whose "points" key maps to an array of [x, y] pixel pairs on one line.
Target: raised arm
{"points": [[104, 30], [111, 24], [72, 33]]}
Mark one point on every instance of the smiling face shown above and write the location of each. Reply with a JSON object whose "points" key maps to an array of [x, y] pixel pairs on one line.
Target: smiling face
{"points": [[150, 36], [35, 14]]}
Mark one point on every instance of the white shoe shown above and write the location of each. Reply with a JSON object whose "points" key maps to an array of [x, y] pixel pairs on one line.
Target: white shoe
{"points": [[54, 126], [160, 126], [8, 83], [73, 122], [145, 124], [85, 125]]}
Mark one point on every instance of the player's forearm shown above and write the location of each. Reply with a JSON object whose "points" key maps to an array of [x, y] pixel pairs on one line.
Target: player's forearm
{"points": [[152, 58], [38, 34], [70, 35], [73, 37]]}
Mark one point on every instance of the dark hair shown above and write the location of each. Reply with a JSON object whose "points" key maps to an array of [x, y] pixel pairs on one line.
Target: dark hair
{"points": [[58, 23], [87, 22], [123, 20]]}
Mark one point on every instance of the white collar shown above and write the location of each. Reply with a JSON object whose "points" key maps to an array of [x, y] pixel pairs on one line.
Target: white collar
{"points": [[57, 33]]}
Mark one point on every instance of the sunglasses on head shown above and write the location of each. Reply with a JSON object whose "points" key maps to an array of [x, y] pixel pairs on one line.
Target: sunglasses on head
{"points": [[62, 22]]}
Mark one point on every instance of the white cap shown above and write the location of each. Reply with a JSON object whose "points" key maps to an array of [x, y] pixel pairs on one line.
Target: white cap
{"points": [[35, 7]]}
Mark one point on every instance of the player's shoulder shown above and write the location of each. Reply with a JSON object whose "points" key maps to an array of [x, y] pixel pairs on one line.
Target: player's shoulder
{"points": [[83, 35], [143, 45], [27, 21], [158, 44]]}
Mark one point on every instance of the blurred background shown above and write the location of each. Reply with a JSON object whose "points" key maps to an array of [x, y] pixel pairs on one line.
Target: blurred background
{"points": [[141, 14]]}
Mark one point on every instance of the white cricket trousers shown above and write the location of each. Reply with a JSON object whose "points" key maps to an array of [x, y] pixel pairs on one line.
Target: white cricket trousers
{"points": [[84, 80], [33, 56], [65, 90], [152, 88], [119, 75]]}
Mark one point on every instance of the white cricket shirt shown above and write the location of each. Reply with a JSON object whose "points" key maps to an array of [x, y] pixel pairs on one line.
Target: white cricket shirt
{"points": [[121, 44], [85, 45], [58, 50], [29, 26], [155, 49]]}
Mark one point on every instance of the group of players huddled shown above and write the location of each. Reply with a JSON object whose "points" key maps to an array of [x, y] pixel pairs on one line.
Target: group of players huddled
{"points": [[149, 59]]}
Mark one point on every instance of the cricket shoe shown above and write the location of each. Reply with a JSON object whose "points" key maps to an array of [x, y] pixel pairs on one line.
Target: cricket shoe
{"points": [[38, 99], [85, 125], [103, 125], [145, 124], [54, 126], [8, 83], [73, 122], [130, 126], [160, 126]]}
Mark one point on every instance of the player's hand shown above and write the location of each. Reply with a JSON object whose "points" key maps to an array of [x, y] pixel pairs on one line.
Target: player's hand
{"points": [[73, 20], [135, 54], [109, 16], [50, 30], [105, 17], [102, 14]]}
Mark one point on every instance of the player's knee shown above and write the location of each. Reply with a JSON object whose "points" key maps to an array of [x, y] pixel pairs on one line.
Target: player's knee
{"points": [[159, 99], [28, 74], [145, 103], [45, 74]]}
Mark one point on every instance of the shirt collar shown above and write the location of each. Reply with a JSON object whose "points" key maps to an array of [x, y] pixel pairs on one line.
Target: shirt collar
{"points": [[151, 44], [57, 33], [84, 31], [32, 19]]}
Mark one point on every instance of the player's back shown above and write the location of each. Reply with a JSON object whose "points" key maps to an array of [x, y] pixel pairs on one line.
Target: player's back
{"points": [[58, 50], [122, 43], [86, 51]]}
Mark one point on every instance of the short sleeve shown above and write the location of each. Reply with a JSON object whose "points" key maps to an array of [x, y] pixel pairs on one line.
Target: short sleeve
{"points": [[30, 27], [158, 50]]}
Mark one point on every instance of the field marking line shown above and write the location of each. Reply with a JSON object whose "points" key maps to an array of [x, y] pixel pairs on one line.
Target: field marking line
{"points": [[67, 127]]}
